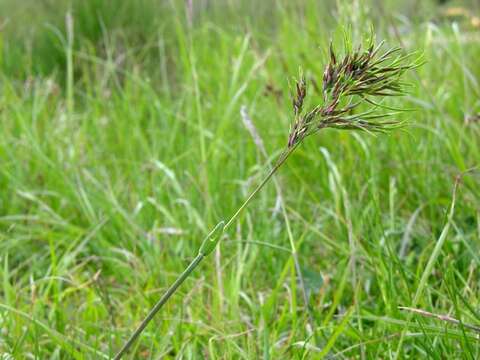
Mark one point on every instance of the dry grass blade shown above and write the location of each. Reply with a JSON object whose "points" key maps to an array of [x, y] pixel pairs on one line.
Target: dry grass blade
{"points": [[446, 318]]}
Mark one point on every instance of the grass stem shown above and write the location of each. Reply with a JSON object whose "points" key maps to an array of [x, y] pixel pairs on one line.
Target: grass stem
{"points": [[171, 290], [195, 262]]}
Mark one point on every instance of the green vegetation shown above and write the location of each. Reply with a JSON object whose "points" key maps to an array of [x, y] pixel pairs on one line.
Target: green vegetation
{"points": [[122, 145]]}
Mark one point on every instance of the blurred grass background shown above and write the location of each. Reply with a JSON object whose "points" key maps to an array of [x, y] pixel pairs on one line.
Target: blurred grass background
{"points": [[122, 144]]}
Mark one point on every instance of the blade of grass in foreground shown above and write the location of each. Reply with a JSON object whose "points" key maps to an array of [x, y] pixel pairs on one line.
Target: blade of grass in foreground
{"points": [[429, 267], [59, 338], [338, 330]]}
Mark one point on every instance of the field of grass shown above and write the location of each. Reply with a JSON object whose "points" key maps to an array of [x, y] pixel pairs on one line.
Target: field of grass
{"points": [[122, 144]]}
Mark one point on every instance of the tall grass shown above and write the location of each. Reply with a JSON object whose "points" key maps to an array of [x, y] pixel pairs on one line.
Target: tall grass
{"points": [[361, 77], [101, 209]]}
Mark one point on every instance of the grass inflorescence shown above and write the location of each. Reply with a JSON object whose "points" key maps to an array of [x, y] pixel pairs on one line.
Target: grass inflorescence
{"points": [[360, 77]]}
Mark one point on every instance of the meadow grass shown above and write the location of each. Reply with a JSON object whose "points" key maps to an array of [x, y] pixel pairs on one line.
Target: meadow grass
{"points": [[121, 148]]}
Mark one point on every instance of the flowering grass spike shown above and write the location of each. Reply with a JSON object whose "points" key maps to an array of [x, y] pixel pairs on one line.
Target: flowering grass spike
{"points": [[358, 78]]}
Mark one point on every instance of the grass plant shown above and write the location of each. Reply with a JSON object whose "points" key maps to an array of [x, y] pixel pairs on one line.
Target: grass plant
{"points": [[359, 77]]}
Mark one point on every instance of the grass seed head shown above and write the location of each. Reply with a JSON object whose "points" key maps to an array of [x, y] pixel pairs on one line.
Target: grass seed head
{"points": [[358, 78]]}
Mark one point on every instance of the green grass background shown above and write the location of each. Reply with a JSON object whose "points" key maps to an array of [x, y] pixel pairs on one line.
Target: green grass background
{"points": [[122, 145]]}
